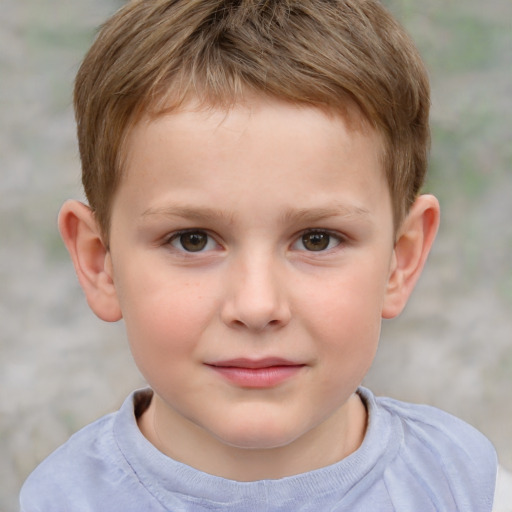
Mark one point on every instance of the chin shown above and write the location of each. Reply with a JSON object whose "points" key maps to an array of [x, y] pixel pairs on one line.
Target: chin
{"points": [[257, 437]]}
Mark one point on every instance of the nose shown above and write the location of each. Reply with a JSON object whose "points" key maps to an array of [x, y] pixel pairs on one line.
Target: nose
{"points": [[256, 299]]}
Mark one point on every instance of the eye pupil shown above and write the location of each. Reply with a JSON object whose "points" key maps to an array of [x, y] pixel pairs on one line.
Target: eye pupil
{"points": [[194, 241], [316, 241]]}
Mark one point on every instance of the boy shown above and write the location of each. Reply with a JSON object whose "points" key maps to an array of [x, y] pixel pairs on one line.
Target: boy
{"points": [[253, 171]]}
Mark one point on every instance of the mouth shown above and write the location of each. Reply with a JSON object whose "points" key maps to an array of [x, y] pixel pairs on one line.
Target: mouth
{"points": [[257, 373]]}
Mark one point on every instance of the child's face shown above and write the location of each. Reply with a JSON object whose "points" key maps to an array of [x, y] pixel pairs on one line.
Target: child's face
{"points": [[251, 252]]}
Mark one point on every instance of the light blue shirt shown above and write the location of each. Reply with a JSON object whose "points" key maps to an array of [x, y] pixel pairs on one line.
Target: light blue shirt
{"points": [[414, 458]]}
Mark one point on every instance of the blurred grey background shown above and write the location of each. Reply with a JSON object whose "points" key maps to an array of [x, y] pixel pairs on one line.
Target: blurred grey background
{"points": [[61, 368]]}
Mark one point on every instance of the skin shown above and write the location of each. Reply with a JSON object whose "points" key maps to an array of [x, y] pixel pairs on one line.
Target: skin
{"points": [[252, 185]]}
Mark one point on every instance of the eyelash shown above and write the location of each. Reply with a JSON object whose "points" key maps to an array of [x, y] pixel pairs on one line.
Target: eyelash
{"points": [[201, 245], [178, 236], [330, 237]]}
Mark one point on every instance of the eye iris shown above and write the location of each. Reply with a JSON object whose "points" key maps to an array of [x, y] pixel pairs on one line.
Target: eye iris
{"points": [[193, 242], [316, 241]]}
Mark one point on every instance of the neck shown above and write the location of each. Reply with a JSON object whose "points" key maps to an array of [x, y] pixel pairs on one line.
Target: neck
{"points": [[333, 440]]}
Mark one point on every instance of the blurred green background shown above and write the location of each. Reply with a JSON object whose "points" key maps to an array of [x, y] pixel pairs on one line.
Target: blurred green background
{"points": [[60, 367]]}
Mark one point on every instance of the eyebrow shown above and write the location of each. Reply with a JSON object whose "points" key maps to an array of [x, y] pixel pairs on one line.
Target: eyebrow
{"points": [[193, 213], [304, 215], [317, 214]]}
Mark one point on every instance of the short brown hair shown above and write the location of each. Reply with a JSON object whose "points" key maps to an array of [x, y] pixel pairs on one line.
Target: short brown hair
{"points": [[153, 54]]}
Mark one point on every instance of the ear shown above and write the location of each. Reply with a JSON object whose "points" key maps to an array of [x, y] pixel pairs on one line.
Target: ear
{"points": [[92, 261], [412, 247]]}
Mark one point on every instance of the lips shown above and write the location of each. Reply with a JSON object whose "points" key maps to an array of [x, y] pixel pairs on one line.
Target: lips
{"points": [[257, 373]]}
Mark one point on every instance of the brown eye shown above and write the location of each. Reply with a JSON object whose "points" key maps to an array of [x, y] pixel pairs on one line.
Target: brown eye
{"points": [[316, 241], [192, 241]]}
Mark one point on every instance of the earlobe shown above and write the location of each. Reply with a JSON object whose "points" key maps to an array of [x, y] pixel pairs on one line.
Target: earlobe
{"points": [[93, 266], [412, 247]]}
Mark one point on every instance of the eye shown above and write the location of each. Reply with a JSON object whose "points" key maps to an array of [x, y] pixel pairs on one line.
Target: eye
{"points": [[317, 241], [192, 241]]}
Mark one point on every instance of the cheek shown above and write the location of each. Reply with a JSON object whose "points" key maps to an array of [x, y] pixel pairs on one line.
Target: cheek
{"points": [[350, 340], [348, 306], [165, 317], [345, 321]]}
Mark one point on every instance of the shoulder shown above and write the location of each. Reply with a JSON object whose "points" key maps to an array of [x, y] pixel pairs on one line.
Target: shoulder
{"points": [[82, 473], [441, 432], [57, 476], [446, 455]]}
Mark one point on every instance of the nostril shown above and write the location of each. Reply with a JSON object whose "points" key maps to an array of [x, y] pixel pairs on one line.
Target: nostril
{"points": [[256, 326]]}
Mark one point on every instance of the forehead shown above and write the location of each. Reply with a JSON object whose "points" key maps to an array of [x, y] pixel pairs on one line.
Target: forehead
{"points": [[231, 117], [254, 145]]}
